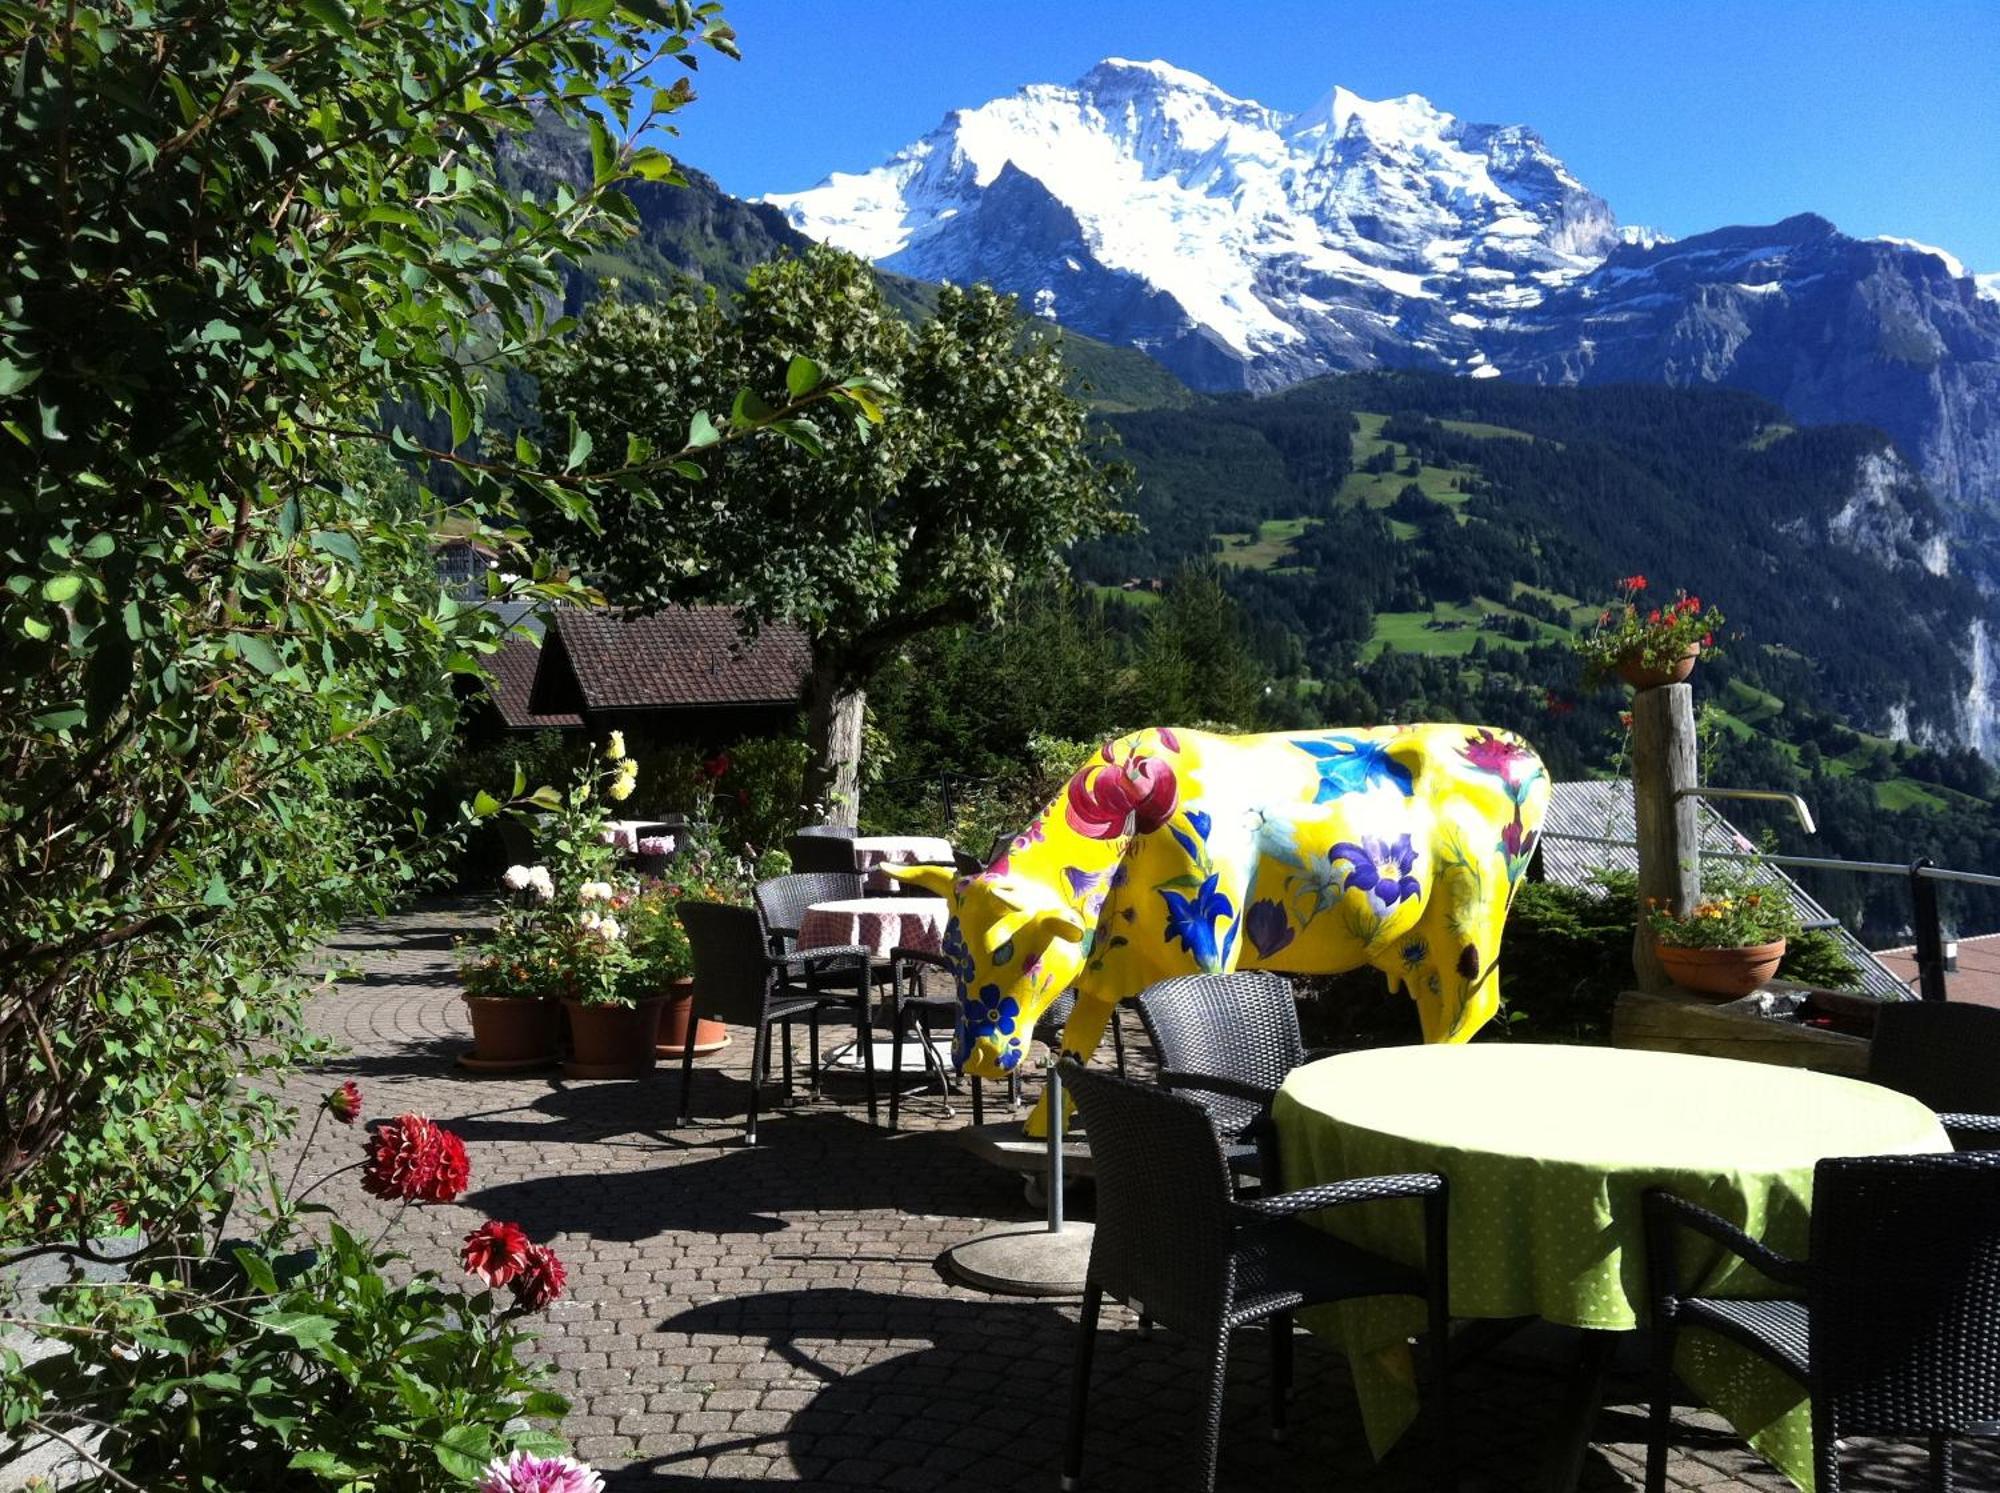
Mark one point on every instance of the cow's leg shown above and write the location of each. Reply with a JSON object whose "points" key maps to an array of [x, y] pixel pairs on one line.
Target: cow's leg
{"points": [[1080, 1036]]}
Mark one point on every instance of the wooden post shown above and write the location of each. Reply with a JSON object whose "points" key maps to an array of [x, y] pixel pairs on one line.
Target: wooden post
{"points": [[1663, 762]]}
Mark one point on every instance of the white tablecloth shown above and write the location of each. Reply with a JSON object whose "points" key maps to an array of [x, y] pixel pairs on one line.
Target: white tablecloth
{"points": [[624, 833], [871, 852], [879, 924]]}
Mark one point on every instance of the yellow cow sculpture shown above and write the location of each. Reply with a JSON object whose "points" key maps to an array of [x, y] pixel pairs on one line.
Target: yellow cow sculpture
{"points": [[1176, 852]]}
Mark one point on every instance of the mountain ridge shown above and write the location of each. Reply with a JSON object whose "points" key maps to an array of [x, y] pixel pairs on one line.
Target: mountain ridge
{"points": [[1248, 248]]}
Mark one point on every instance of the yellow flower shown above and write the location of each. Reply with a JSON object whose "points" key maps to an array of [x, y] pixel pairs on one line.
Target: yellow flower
{"points": [[615, 752], [621, 788]]}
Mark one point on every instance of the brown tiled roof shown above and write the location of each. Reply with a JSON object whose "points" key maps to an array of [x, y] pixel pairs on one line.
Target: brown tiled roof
{"points": [[680, 657], [513, 669], [1976, 979]]}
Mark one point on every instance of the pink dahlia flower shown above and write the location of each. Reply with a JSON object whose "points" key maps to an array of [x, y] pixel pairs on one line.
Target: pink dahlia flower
{"points": [[523, 1472], [495, 1252]]}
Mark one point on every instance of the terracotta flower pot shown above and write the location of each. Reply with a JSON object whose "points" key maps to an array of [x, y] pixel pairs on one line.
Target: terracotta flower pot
{"points": [[1730, 973], [510, 1033], [1641, 676], [612, 1041], [709, 1036]]}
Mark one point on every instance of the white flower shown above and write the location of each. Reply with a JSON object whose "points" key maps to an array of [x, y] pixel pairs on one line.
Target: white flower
{"points": [[615, 752], [540, 884], [608, 930], [516, 879], [594, 891]]}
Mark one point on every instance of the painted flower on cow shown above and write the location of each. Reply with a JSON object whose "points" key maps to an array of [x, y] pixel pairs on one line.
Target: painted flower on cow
{"points": [[1509, 761], [957, 954], [1347, 764], [1381, 869], [495, 1252], [1109, 800], [415, 1159], [989, 1013], [1192, 921], [524, 1472], [1268, 927], [1518, 845]]}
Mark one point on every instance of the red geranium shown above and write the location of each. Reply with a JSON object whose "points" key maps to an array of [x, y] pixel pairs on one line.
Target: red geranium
{"points": [[416, 1160], [496, 1252], [539, 1280], [344, 1103]]}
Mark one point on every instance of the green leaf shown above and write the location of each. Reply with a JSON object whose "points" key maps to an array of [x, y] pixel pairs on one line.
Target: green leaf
{"points": [[59, 720], [749, 410], [99, 546], [484, 804], [802, 376], [61, 588], [259, 654], [702, 431], [219, 330], [464, 1450], [603, 151], [324, 1464], [307, 1329], [580, 446]]}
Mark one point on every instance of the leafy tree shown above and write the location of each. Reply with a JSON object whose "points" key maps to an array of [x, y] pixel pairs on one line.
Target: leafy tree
{"points": [[984, 472], [234, 233]]}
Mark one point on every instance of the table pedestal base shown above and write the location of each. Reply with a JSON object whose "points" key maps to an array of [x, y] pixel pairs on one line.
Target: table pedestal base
{"points": [[1025, 1259]]}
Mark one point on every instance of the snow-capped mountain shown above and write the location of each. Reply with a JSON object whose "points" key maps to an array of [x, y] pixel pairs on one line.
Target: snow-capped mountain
{"points": [[1243, 246], [1247, 248]]}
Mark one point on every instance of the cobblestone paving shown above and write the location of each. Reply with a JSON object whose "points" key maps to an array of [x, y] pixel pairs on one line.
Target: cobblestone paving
{"points": [[739, 1318]]}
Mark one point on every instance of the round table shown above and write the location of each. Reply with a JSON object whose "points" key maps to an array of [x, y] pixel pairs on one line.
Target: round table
{"points": [[871, 852], [878, 924], [1548, 1150]]}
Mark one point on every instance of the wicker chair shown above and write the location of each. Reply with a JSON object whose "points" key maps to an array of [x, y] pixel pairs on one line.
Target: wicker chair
{"points": [[782, 902], [742, 982], [1173, 1241], [1946, 1055], [1227, 1042], [822, 847], [1897, 1332]]}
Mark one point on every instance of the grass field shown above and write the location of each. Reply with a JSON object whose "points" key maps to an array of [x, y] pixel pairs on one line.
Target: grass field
{"points": [[1486, 432], [1268, 547]]}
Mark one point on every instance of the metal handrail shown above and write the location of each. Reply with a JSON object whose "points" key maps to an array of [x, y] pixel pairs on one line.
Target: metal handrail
{"points": [[1759, 795]]}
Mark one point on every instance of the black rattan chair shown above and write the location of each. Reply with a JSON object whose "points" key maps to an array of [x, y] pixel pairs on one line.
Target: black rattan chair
{"points": [[1945, 1054], [822, 847], [1227, 1042], [1173, 1241], [782, 902], [739, 980], [1896, 1329]]}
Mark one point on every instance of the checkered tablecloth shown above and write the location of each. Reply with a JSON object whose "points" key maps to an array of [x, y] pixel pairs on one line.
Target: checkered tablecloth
{"points": [[878, 924]]}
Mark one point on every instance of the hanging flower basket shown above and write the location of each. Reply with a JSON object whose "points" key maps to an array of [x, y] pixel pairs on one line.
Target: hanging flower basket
{"points": [[1647, 646], [1729, 973]]}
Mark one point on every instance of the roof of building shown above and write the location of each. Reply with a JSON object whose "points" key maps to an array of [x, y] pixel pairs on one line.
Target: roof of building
{"points": [[513, 669], [682, 658], [1976, 978], [1588, 829]]}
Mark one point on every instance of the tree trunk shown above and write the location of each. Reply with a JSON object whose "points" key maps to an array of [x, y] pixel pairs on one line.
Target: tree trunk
{"points": [[833, 743]]}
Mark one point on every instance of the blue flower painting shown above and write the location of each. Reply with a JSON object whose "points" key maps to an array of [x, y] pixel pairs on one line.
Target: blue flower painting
{"points": [[1384, 870], [1192, 921], [1349, 765], [1268, 928]]}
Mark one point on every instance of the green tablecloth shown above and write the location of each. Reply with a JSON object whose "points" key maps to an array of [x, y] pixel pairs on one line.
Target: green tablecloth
{"points": [[1548, 1150]]}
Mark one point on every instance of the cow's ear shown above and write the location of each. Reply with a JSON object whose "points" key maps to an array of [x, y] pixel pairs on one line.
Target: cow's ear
{"points": [[939, 881], [1060, 923]]}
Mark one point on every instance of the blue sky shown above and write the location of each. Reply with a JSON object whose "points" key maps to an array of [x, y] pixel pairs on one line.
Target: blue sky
{"points": [[1683, 114]]}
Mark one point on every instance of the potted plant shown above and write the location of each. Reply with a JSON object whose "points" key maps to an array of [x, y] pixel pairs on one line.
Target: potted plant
{"points": [[1731, 942], [511, 981], [613, 1003], [664, 963], [1647, 646]]}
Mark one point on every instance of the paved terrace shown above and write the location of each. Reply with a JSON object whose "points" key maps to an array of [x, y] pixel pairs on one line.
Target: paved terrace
{"points": [[743, 1318]]}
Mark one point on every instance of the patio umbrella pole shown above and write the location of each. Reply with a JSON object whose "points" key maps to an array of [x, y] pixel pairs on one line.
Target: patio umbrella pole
{"points": [[1046, 1258]]}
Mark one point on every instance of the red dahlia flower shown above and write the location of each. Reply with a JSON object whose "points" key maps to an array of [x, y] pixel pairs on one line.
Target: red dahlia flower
{"points": [[495, 1252], [344, 1103], [416, 1160], [540, 1279]]}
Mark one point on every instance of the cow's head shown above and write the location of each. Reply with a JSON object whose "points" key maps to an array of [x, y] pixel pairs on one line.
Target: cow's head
{"points": [[1014, 946]]}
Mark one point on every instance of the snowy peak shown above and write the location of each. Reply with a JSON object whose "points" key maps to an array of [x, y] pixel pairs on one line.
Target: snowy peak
{"points": [[1307, 238]]}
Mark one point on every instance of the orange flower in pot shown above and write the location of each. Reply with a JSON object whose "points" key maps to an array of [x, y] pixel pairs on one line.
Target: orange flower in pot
{"points": [[1647, 646], [1730, 943]]}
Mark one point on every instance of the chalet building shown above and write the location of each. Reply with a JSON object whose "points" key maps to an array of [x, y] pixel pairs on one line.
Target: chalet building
{"points": [[687, 674]]}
